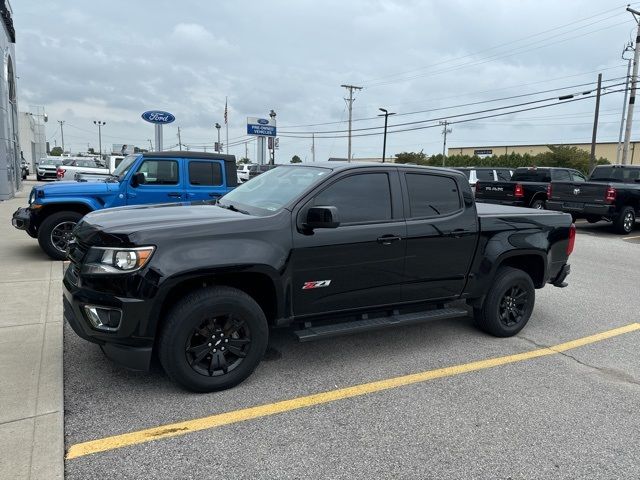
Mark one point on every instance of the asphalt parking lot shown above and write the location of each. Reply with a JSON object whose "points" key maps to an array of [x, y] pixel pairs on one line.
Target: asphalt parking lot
{"points": [[571, 414]]}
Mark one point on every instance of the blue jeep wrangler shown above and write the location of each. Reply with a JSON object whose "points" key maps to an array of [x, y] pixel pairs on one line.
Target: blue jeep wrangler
{"points": [[155, 177]]}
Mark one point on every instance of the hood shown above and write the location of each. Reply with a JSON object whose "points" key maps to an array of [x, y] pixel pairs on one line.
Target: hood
{"points": [[125, 224], [64, 189]]}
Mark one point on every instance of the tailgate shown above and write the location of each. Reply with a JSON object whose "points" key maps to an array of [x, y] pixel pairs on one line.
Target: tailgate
{"points": [[495, 190], [579, 192]]}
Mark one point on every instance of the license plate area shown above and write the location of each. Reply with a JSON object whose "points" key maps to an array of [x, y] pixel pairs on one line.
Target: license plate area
{"points": [[573, 205]]}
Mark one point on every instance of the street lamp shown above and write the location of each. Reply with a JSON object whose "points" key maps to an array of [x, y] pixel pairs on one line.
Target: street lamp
{"points": [[218, 127], [272, 115], [384, 141], [100, 124]]}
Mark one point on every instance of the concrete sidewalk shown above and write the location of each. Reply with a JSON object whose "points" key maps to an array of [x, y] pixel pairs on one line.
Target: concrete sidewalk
{"points": [[31, 396]]}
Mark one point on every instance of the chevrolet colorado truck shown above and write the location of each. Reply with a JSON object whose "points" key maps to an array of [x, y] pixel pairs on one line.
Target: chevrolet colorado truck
{"points": [[327, 248], [149, 178], [527, 187], [611, 194]]}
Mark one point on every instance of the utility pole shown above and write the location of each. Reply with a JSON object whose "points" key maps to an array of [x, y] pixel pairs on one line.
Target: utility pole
{"points": [[218, 147], [246, 149], [632, 96], [150, 145], [445, 130], [350, 101], [592, 158], [61, 122], [385, 114], [100, 124], [313, 147], [627, 48], [179, 140]]}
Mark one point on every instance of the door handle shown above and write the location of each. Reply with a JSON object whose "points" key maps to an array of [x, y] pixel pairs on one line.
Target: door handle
{"points": [[459, 232], [174, 195], [214, 195], [388, 239]]}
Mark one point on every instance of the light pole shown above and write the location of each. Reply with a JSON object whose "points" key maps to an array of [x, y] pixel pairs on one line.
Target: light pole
{"points": [[218, 127], [384, 141], [100, 124], [150, 145], [272, 115], [61, 122]]}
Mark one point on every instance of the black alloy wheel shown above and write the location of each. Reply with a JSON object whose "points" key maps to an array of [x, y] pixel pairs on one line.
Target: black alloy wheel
{"points": [[511, 309], [218, 345]]}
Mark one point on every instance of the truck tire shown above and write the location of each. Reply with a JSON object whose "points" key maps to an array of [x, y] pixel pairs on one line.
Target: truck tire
{"points": [[593, 218], [625, 222], [213, 339], [508, 305], [538, 204], [54, 233]]}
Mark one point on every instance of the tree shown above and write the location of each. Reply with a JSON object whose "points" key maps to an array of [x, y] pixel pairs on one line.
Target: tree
{"points": [[56, 151], [417, 158], [243, 161], [296, 159]]}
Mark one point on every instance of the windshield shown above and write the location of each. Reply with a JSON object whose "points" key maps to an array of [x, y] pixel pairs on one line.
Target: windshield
{"points": [[122, 169], [615, 174], [275, 188], [50, 162]]}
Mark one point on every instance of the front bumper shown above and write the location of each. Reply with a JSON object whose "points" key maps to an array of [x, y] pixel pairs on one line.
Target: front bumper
{"points": [[582, 209], [21, 218], [124, 346]]}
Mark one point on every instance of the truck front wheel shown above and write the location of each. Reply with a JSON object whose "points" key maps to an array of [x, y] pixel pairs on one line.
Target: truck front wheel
{"points": [[213, 339], [508, 305], [54, 233], [625, 222]]}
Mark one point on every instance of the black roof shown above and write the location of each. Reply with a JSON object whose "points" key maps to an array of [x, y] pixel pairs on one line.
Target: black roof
{"points": [[185, 154], [338, 166]]}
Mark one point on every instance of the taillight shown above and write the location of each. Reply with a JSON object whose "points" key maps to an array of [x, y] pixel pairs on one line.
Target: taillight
{"points": [[549, 191], [572, 239], [518, 191], [610, 196], [475, 187], [60, 172]]}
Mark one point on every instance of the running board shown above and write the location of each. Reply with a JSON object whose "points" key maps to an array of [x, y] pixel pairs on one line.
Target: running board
{"points": [[345, 328]]}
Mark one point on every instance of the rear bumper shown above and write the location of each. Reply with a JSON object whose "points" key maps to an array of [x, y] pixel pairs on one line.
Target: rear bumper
{"points": [[494, 201], [582, 209], [559, 281]]}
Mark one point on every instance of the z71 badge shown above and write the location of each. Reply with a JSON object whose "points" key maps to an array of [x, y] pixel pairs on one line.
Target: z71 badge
{"points": [[316, 284]]}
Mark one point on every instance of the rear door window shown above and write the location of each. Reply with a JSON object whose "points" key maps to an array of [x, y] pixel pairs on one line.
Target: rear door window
{"points": [[531, 175], [432, 195], [205, 173]]}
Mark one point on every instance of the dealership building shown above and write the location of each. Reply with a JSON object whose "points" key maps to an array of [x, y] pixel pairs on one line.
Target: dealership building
{"points": [[606, 150], [10, 178]]}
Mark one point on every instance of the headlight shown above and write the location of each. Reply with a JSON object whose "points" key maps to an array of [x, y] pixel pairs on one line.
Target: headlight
{"points": [[32, 196], [103, 260]]}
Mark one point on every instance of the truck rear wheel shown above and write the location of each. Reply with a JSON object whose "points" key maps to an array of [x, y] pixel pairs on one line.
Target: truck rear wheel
{"points": [[625, 222], [54, 233], [213, 339], [508, 305], [538, 204]]}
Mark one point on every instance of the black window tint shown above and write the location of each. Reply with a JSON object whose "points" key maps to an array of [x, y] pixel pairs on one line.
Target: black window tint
{"points": [[561, 175], [577, 177], [503, 175], [160, 172], [531, 175], [484, 175], [466, 172], [205, 173], [432, 195], [359, 198]]}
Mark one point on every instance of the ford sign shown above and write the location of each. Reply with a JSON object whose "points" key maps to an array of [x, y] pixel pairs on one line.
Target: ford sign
{"points": [[157, 116], [263, 121]]}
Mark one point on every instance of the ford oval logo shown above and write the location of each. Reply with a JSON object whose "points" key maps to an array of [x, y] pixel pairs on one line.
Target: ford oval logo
{"points": [[158, 116], [263, 121]]}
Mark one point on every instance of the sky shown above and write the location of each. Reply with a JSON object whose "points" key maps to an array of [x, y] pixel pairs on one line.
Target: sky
{"points": [[445, 59]]}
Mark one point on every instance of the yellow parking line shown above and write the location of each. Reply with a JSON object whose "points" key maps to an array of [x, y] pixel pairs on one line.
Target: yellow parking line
{"points": [[213, 421]]}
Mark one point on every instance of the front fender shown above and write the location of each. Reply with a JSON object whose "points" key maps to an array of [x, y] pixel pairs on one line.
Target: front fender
{"points": [[90, 203]]}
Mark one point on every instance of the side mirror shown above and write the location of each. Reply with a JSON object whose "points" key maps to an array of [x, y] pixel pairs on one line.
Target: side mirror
{"points": [[138, 179], [322, 217]]}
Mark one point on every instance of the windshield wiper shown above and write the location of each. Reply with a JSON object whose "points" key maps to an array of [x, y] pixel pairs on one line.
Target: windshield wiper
{"points": [[233, 208]]}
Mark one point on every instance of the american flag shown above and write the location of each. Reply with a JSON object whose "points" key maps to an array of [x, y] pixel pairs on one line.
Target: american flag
{"points": [[225, 111]]}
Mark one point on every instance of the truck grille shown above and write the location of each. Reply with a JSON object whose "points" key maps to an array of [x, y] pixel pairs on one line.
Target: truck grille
{"points": [[77, 252]]}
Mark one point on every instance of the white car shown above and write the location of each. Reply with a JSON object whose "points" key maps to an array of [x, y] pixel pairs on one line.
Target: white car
{"points": [[243, 172]]}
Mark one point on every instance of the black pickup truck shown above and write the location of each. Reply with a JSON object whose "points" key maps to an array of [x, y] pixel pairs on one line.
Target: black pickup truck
{"points": [[612, 194], [527, 187], [329, 248]]}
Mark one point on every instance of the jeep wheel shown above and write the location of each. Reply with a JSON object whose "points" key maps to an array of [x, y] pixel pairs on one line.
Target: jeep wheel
{"points": [[508, 305], [54, 233], [213, 339], [625, 222]]}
